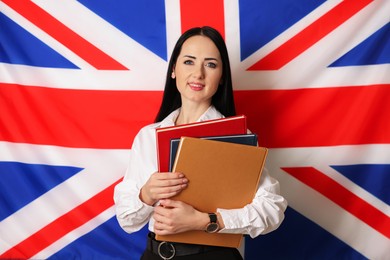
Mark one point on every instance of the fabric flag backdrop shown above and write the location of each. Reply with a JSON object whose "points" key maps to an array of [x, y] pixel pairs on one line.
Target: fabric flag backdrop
{"points": [[78, 79]]}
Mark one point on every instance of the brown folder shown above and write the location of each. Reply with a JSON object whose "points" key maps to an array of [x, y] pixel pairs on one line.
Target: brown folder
{"points": [[221, 175]]}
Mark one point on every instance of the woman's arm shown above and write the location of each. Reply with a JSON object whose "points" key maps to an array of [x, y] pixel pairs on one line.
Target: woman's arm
{"points": [[142, 187], [263, 215]]}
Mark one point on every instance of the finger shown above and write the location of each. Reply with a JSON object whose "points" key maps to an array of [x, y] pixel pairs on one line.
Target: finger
{"points": [[161, 221], [158, 217], [169, 175], [163, 227], [168, 185], [159, 211], [176, 184], [167, 203], [169, 182], [170, 192], [171, 187], [161, 231]]}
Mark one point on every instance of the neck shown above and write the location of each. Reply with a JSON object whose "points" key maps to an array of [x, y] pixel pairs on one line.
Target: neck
{"points": [[190, 115]]}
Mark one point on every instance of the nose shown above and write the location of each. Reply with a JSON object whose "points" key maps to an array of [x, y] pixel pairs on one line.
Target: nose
{"points": [[198, 71]]}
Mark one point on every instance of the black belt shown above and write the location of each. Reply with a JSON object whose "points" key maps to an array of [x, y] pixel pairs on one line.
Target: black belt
{"points": [[167, 250]]}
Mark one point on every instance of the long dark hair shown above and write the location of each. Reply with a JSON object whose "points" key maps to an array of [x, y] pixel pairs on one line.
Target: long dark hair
{"points": [[222, 100]]}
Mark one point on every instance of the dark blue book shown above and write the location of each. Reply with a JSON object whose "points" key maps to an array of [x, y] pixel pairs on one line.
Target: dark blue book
{"points": [[245, 139]]}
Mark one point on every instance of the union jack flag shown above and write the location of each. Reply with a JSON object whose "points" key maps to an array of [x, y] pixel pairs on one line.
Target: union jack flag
{"points": [[78, 79]]}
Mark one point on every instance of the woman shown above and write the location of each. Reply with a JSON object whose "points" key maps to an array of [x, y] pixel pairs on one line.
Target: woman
{"points": [[198, 88]]}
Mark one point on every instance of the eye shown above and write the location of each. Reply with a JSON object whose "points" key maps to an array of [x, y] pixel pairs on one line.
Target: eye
{"points": [[211, 65], [188, 62]]}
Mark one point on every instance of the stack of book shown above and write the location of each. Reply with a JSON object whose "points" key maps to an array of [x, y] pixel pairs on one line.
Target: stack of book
{"points": [[223, 164]]}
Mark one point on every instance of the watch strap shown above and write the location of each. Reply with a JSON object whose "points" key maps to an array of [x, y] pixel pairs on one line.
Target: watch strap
{"points": [[213, 217]]}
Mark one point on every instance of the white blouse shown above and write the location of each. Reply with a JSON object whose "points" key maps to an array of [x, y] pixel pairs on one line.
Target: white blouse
{"points": [[263, 215]]}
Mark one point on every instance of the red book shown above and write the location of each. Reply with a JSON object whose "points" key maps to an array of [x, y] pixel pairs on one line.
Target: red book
{"points": [[233, 125]]}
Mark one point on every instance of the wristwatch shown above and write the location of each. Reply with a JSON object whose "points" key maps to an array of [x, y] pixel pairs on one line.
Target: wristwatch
{"points": [[213, 226]]}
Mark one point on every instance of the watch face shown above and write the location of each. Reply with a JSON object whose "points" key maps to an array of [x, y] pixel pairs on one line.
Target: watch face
{"points": [[212, 227]]}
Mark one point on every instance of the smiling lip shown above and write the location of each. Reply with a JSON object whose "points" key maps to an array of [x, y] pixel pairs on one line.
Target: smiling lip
{"points": [[196, 86]]}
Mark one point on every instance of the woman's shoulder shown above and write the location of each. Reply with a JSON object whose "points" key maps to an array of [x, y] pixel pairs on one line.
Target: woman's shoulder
{"points": [[149, 128], [145, 135]]}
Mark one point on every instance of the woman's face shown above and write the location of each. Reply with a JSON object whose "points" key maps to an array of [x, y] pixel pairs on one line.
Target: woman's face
{"points": [[198, 70]]}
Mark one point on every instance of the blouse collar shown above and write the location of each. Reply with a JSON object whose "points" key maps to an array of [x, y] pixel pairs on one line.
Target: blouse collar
{"points": [[209, 114]]}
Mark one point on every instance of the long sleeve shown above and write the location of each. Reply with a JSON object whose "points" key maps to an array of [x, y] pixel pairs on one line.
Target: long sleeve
{"points": [[263, 215], [131, 212]]}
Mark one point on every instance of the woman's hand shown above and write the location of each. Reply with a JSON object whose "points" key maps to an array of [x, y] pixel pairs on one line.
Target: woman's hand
{"points": [[173, 217], [162, 185]]}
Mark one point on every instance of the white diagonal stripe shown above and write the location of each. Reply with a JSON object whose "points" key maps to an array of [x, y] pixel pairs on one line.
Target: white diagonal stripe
{"points": [[101, 168]]}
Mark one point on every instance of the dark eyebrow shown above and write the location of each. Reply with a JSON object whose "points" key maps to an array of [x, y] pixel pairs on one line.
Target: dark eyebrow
{"points": [[189, 56], [193, 57]]}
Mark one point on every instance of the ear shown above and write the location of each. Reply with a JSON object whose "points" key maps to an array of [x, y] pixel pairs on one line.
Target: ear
{"points": [[173, 75]]}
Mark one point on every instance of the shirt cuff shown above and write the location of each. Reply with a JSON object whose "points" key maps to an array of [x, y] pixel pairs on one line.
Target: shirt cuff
{"points": [[234, 220]]}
